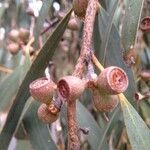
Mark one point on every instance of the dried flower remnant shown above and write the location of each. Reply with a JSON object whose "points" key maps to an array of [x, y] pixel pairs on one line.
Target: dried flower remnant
{"points": [[45, 114], [145, 24], [138, 96], [130, 57], [42, 90], [112, 80]]}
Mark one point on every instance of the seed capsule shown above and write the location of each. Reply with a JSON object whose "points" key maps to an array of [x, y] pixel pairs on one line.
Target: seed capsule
{"points": [[112, 80], [71, 87], [14, 35], [24, 34], [45, 115], [42, 90], [145, 24], [13, 48], [145, 75], [104, 102], [73, 25], [79, 7]]}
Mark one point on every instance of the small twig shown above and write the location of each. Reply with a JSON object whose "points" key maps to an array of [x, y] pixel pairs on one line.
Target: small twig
{"points": [[73, 139], [97, 63], [51, 24]]}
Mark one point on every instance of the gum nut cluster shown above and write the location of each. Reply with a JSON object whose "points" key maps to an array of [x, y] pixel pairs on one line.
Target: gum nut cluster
{"points": [[17, 38], [111, 81], [43, 90]]}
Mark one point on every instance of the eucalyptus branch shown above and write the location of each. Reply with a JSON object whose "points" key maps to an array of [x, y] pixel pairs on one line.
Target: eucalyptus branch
{"points": [[73, 139]]}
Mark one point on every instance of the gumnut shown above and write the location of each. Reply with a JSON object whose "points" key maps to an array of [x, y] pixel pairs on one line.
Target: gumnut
{"points": [[145, 75], [24, 34], [145, 24], [45, 115], [14, 35], [80, 6], [104, 102], [72, 24], [70, 87], [13, 48], [42, 90], [112, 80]]}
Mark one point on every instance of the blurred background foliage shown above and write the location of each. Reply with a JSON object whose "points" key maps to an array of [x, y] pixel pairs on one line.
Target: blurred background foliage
{"points": [[57, 46]]}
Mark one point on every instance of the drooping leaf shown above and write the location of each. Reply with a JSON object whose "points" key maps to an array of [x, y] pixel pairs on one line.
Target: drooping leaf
{"points": [[138, 132], [38, 132], [35, 71], [131, 21]]}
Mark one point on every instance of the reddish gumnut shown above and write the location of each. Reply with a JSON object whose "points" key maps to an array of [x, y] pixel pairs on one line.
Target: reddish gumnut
{"points": [[72, 24], [24, 34], [145, 75], [112, 80], [145, 24], [42, 90], [14, 35], [13, 48], [80, 6], [70, 87], [45, 115], [104, 102]]}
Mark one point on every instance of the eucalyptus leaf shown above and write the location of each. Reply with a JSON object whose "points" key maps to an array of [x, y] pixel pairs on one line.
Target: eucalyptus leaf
{"points": [[35, 71], [138, 132], [10, 85], [131, 21]]}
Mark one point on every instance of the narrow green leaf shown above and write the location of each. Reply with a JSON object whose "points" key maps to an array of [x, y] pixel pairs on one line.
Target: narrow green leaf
{"points": [[138, 132], [86, 120], [39, 23], [131, 21], [11, 83], [104, 134], [36, 70], [38, 132], [23, 145]]}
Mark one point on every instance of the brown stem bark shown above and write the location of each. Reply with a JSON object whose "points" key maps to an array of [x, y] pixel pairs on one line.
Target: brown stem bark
{"points": [[73, 139]]}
